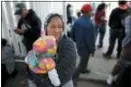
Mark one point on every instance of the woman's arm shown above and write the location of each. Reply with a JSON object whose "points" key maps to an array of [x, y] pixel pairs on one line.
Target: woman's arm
{"points": [[66, 59]]}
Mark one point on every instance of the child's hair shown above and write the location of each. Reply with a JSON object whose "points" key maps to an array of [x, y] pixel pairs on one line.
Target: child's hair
{"points": [[3, 42], [49, 18]]}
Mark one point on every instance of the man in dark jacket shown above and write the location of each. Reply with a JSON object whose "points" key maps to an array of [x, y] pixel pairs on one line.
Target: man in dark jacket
{"points": [[83, 33], [29, 25], [117, 29]]}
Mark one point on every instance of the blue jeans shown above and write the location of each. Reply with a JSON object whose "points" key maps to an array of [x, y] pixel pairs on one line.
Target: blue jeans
{"points": [[101, 29]]}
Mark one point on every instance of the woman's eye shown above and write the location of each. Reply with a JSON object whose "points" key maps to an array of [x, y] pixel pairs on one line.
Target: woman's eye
{"points": [[53, 26], [60, 26]]}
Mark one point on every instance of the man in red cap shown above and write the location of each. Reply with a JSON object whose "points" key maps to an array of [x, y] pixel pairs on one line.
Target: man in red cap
{"points": [[83, 33]]}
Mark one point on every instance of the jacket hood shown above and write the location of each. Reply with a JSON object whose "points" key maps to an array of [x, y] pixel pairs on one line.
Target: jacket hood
{"points": [[30, 14]]}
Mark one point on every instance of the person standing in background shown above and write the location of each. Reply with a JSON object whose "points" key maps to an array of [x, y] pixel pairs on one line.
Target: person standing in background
{"points": [[83, 34], [126, 51], [29, 25], [117, 29], [100, 22], [69, 12]]}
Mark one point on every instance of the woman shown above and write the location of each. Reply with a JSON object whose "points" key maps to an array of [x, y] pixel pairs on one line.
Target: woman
{"points": [[66, 53], [100, 23]]}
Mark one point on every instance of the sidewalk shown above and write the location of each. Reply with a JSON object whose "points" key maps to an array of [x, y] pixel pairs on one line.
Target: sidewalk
{"points": [[99, 66]]}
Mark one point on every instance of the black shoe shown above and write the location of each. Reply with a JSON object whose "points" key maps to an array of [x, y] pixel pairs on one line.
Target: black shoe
{"points": [[99, 46], [85, 71], [106, 56]]}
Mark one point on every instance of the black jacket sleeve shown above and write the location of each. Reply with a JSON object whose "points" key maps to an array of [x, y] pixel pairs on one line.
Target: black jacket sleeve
{"points": [[19, 23], [111, 18], [66, 60], [34, 31]]}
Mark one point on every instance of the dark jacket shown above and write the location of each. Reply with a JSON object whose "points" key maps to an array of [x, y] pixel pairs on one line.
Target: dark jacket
{"points": [[83, 33], [66, 62], [115, 19], [32, 25]]}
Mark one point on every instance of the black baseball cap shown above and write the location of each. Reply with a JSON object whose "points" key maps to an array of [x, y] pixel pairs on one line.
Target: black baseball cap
{"points": [[19, 7]]}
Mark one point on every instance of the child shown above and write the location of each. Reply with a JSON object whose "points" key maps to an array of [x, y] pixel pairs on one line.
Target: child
{"points": [[41, 59]]}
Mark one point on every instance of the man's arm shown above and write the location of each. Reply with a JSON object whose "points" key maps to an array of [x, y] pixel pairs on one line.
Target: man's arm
{"points": [[111, 18], [73, 31]]}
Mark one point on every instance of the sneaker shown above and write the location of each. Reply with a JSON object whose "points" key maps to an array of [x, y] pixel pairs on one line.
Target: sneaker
{"points": [[110, 80]]}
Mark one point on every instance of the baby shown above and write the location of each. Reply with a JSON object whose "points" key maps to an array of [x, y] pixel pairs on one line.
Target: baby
{"points": [[41, 59]]}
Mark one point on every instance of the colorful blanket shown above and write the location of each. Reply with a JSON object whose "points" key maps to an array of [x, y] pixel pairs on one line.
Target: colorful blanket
{"points": [[41, 58]]}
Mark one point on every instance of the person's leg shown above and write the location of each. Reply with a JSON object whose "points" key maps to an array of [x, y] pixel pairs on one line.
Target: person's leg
{"points": [[83, 64], [102, 34], [68, 84], [126, 54], [97, 31], [114, 72], [119, 47], [112, 40]]}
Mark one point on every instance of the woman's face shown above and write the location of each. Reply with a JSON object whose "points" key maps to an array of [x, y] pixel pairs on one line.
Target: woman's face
{"points": [[55, 27]]}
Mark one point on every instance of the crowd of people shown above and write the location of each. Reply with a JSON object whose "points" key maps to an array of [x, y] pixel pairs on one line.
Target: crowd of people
{"points": [[80, 40]]}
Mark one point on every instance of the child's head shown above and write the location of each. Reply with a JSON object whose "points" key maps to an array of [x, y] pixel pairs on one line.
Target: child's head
{"points": [[45, 45]]}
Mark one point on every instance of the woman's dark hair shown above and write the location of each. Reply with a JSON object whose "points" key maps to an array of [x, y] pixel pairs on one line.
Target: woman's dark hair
{"points": [[101, 6], [68, 6], [49, 18], [3, 42]]}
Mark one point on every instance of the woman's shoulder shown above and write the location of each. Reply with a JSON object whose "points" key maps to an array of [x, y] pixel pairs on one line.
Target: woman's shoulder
{"points": [[66, 40]]}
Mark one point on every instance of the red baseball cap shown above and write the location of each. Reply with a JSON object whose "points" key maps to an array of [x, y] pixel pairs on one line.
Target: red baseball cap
{"points": [[86, 8]]}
